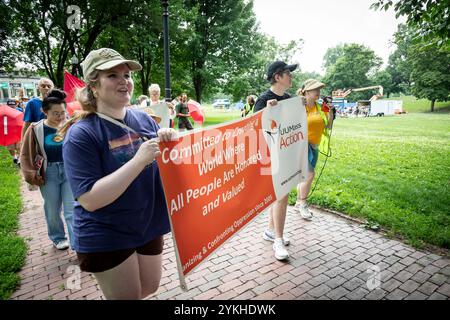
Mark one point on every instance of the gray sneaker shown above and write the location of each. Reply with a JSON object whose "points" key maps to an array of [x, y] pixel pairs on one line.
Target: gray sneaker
{"points": [[269, 235], [303, 210], [62, 245]]}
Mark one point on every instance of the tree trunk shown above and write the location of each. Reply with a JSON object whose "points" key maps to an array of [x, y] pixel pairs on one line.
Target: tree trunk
{"points": [[143, 73], [432, 105], [198, 87], [143, 84], [59, 78], [146, 82]]}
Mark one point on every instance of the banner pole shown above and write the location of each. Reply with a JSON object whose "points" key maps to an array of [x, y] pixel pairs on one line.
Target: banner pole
{"points": [[181, 276]]}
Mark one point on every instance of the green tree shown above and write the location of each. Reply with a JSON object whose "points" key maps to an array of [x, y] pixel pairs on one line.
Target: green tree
{"points": [[428, 19], [384, 79], [251, 78], [353, 67], [423, 67], [42, 37], [430, 75], [398, 66], [220, 34], [140, 39], [143, 40], [6, 27], [332, 54]]}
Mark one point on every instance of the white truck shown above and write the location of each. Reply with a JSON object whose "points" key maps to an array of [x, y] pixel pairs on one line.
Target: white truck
{"points": [[385, 107]]}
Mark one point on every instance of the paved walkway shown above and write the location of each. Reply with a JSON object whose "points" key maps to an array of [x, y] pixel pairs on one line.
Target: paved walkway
{"points": [[330, 259]]}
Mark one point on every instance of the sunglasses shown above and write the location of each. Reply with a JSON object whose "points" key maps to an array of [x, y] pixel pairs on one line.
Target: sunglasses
{"points": [[288, 73]]}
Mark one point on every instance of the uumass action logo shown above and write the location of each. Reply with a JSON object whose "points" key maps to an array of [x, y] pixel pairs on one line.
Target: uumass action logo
{"points": [[290, 134]]}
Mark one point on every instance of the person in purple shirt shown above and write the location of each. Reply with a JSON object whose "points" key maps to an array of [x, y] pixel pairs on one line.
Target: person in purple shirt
{"points": [[120, 212]]}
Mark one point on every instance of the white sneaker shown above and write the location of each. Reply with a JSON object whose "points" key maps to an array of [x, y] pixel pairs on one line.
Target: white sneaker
{"points": [[62, 245], [297, 207], [280, 251], [304, 211], [269, 235]]}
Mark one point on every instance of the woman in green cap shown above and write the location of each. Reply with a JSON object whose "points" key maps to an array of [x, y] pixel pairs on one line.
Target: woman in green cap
{"points": [[120, 213]]}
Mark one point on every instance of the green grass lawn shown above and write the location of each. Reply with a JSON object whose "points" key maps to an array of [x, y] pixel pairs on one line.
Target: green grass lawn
{"points": [[214, 116], [12, 248], [394, 171]]}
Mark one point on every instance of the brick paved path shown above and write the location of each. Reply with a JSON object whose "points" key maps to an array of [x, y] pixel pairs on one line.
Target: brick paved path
{"points": [[330, 257]]}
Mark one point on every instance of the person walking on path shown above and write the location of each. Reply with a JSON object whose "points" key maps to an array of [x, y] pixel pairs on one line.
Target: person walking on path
{"points": [[120, 214], [42, 165], [280, 77], [182, 111], [14, 149], [320, 121], [33, 108]]}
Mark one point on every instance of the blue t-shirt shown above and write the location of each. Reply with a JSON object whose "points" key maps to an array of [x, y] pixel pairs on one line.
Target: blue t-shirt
{"points": [[52, 148], [95, 148], [33, 111]]}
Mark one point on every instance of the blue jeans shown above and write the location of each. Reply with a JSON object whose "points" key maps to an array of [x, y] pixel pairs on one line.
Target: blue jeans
{"points": [[56, 192], [313, 156]]}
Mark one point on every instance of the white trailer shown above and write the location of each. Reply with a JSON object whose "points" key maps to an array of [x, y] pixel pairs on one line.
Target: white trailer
{"points": [[386, 107]]}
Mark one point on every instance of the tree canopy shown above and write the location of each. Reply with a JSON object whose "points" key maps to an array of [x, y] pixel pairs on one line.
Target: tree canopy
{"points": [[215, 45], [428, 19], [350, 66]]}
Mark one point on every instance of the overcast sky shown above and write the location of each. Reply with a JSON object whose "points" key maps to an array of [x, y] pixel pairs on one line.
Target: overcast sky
{"points": [[325, 23]]}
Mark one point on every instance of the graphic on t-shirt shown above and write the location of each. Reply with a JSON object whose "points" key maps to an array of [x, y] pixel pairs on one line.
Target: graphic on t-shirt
{"points": [[52, 140], [125, 147], [52, 144]]}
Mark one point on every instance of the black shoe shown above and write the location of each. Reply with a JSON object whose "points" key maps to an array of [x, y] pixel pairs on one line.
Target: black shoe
{"points": [[17, 163]]}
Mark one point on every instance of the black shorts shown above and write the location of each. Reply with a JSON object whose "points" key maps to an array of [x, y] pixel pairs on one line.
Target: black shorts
{"points": [[102, 261], [184, 123]]}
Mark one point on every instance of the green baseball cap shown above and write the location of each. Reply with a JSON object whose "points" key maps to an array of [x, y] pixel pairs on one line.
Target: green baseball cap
{"points": [[105, 59]]}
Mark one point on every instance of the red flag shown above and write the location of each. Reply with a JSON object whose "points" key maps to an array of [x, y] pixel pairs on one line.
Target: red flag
{"points": [[196, 111], [73, 106], [11, 123], [70, 84]]}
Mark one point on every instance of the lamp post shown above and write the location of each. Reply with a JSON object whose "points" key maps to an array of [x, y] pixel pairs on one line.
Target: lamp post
{"points": [[165, 6], [74, 62]]}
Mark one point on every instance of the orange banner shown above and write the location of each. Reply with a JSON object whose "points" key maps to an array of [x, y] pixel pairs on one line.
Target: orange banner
{"points": [[218, 179]]}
